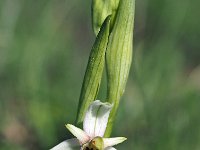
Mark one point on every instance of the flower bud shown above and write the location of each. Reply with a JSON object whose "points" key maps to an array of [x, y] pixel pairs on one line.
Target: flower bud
{"points": [[100, 10], [119, 55]]}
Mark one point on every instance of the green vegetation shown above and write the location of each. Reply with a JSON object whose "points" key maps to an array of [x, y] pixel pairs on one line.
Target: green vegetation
{"points": [[44, 48]]}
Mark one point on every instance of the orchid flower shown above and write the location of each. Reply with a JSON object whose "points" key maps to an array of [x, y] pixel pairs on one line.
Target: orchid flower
{"points": [[94, 126]]}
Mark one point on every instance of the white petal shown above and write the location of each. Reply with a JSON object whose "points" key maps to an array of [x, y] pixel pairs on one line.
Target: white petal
{"points": [[71, 144], [78, 133], [110, 148], [96, 118], [113, 141]]}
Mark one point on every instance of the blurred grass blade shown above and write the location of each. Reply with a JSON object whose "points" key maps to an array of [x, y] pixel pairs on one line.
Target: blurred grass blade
{"points": [[119, 55], [94, 71], [100, 10]]}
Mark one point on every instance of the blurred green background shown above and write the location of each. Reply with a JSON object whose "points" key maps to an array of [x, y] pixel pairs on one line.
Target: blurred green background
{"points": [[44, 48]]}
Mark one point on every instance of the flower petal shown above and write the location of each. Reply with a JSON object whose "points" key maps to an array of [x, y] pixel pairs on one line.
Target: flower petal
{"points": [[110, 148], [113, 141], [78, 133], [96, 118], [71, 144]]}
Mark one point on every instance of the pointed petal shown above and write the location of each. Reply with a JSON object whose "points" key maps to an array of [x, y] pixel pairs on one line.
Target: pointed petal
{"points": [[96, 118], [113, 141], [110, 148], [78, 133], [71, 144]]}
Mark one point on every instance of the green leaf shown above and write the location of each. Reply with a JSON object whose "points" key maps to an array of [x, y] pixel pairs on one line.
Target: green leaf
{"points": [[100, 10], [119, 55], [93, 74]]}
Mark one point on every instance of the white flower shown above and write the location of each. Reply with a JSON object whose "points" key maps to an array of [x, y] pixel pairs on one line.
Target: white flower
{"points": [[94, 126]]}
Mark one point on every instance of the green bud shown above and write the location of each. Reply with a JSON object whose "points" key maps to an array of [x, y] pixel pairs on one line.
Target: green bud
{"points": [[119, 56], [100, 10], [93, 74]]}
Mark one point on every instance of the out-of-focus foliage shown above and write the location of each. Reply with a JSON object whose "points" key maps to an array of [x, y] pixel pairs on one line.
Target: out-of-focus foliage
{"points": [[44, 47]]}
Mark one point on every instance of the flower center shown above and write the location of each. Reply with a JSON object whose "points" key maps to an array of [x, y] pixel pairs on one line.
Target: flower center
{"points": [[94, 144], [87, 148]]}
